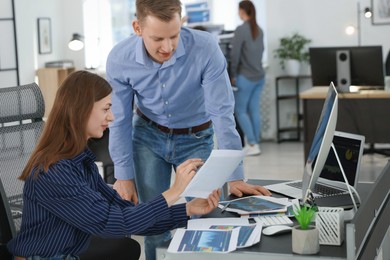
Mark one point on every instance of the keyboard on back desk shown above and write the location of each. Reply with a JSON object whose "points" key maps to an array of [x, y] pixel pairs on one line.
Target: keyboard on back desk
{"points": [[320, 189]]}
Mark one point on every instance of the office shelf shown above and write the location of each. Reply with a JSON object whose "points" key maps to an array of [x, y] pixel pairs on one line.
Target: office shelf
{"points": [[295, 96]]}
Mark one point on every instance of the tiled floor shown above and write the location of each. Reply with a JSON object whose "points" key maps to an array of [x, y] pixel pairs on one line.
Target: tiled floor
{"points": [[285, 161]]}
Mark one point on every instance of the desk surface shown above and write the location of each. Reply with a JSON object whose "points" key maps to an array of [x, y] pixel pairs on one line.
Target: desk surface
{"points": [[270, 247], [320, 93]]}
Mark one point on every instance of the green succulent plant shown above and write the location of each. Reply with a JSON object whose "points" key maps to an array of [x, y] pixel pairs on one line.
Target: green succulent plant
{"points": [[293, 47], [304, 215]]}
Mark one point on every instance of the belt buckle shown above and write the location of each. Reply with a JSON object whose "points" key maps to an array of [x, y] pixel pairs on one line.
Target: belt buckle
{"points": [[170, 131]]}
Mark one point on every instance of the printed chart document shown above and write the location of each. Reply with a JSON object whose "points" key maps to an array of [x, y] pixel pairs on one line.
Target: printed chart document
{"points": [[249, 234], [214, 173], [255, 204], [217, 241]]}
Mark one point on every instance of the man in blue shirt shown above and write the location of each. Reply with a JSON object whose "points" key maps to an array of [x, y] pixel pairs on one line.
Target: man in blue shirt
{"points": [[182, 94]]}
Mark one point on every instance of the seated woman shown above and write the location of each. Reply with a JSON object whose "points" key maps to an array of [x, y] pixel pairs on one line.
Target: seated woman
{"points": [[66, 202]]}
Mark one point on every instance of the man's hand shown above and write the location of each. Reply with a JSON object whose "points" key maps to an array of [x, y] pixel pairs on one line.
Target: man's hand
{"points": [[239, 188], [233, 81], [203, 206], [126, 189]]}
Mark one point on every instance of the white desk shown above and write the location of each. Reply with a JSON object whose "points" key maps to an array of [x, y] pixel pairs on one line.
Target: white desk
{"points": [[279, 247]]}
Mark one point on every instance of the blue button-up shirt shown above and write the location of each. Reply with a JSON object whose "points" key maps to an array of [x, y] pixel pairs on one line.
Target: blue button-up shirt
{"points": [[187, 90], [65, 206]]}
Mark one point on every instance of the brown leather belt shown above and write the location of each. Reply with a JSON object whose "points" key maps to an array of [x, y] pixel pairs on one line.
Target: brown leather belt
{"points": [[178, 131]]}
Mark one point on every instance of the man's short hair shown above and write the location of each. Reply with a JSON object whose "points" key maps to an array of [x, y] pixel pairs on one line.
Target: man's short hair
{"points": [[164, 10]]}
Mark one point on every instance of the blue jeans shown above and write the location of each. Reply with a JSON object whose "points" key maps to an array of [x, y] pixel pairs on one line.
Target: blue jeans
{"points": [[56, 257], [155, 153], [247, 107]]}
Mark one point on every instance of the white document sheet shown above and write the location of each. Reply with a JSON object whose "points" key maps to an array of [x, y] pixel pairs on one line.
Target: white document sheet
{"points": [[214, 173], [205, 223]]}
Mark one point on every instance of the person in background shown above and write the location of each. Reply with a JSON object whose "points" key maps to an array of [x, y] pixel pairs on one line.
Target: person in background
{"points": [[66, 201], [247, 74], [178, 79], [387, 64]]}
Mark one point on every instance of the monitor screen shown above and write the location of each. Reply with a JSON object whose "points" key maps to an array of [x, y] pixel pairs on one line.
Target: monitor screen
{"points": [[349, 149], [350, 66], [198, 12], [321, 143]]}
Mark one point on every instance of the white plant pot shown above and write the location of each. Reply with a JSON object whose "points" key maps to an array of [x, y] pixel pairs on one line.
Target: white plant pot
{"points": [[305, 242], [292, 67]]}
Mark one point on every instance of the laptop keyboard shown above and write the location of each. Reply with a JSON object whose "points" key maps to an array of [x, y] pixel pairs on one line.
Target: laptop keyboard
{"points": [[320, 189]]}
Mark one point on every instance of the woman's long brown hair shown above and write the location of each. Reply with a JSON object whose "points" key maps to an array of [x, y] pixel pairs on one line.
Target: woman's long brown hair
{"points": [[64, 135], [250, 10]]}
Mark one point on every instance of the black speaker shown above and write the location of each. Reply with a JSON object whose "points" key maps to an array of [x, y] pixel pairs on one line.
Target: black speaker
{"points": [[343, 70]]}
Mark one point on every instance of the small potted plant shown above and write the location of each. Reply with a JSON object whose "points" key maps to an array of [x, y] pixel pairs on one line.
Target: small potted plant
{"points": [[305, 236], [291, 52]]}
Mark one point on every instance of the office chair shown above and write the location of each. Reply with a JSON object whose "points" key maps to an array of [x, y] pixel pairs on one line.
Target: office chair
{"points": [[99, 146], [21, 124], [7, 228], [21, 112]]}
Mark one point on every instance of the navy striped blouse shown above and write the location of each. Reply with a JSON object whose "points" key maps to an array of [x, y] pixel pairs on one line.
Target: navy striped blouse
{"points": [[65, 206]]}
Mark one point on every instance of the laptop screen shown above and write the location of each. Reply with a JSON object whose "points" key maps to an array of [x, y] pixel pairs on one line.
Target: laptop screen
{"points": [[349, 149]]}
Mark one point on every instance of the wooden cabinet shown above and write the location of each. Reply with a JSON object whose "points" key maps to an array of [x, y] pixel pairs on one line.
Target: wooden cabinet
{"points": [[49, 81]]}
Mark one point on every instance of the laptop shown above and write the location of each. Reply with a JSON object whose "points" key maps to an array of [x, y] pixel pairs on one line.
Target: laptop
{"points": [[330, 189]]}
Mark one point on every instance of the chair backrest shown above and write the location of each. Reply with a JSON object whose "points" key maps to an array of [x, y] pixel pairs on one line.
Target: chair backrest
{"points": [[21, 112]]}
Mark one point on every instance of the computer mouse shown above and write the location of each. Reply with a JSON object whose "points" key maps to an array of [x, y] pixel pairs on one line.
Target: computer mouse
{"points": [[276, 229]]}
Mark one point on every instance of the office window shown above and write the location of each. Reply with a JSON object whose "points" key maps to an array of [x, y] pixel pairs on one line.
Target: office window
{"points": [[106, 22]]}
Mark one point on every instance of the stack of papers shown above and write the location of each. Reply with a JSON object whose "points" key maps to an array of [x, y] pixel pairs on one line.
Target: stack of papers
{"points": [[256, 205], [221, 235]]}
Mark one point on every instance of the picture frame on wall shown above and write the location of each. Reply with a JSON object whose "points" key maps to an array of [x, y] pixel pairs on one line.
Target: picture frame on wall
{"points": [[44, 35], [380, 12]]}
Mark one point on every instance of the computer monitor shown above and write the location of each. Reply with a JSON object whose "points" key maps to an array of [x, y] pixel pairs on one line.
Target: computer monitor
{"points": [[321, 143], [387, 65], [360, 67]]}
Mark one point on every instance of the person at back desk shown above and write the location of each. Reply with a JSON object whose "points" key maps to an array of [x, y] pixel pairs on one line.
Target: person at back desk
{"points": [[66, 202], [182, 93]]}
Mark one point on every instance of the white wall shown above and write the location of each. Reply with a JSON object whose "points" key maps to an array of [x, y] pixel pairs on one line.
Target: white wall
{"points": [[66, 18], [322, 21]]}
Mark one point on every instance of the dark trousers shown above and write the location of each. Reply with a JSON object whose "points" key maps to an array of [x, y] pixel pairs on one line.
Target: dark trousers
{"points": [[110, 248]]}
